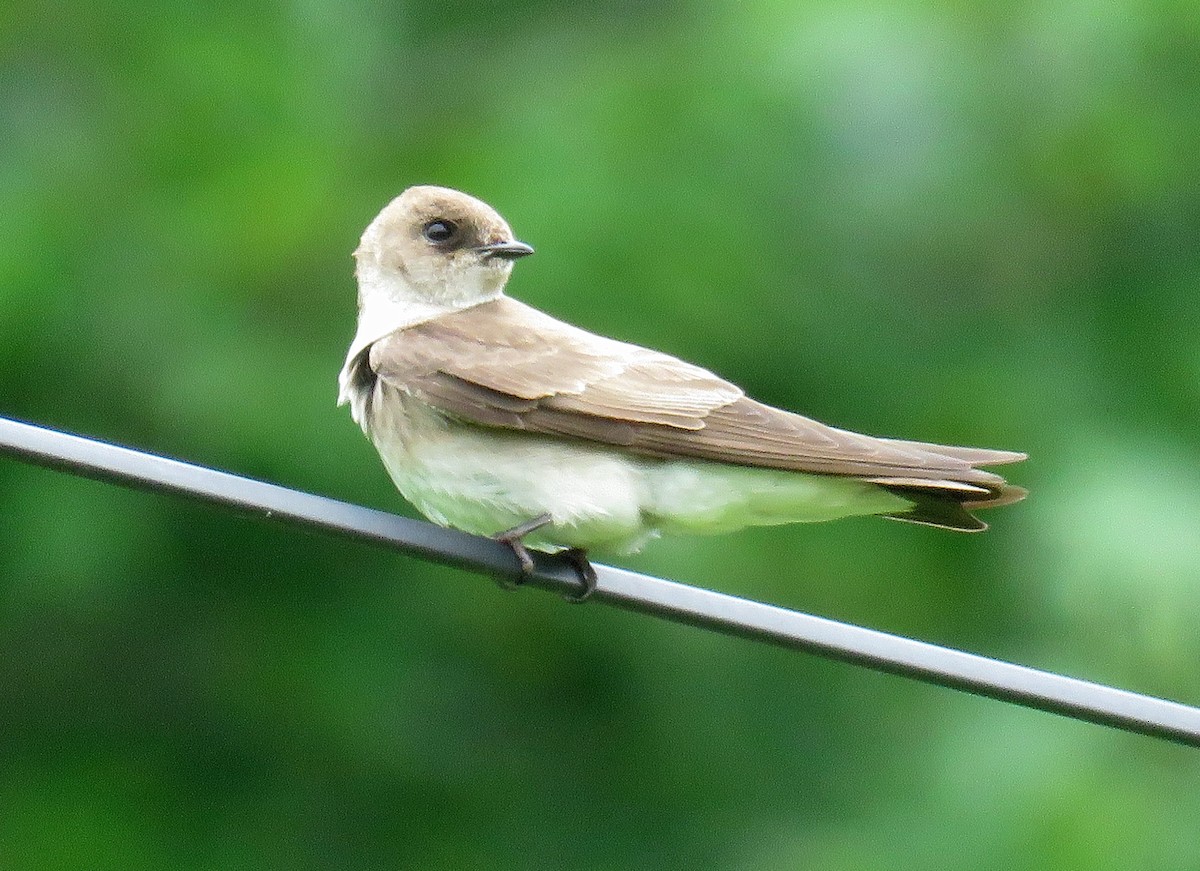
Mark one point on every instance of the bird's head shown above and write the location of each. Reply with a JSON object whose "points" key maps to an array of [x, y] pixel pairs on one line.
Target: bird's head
{"points": [[438, 247]]}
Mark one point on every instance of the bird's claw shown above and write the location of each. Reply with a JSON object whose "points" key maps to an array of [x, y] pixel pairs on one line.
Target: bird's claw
{"points": [[576, 556], [512, 537], [523, 557]]}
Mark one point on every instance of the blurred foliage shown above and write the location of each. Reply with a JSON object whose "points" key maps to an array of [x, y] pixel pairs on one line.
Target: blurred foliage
{"points": [[962, 222]]}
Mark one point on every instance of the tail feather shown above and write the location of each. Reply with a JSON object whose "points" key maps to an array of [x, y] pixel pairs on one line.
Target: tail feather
{"points": [[947, 503], [931, 510]]}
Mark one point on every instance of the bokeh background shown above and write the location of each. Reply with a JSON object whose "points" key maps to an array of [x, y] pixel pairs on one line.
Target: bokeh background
{"points": [[963, 222]]}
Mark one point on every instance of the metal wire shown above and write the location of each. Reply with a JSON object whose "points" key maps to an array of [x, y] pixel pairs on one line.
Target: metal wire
{"points": [[636, 592]]}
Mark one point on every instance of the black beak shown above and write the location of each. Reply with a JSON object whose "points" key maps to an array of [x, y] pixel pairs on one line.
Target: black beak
{"points": [[506, 250]]}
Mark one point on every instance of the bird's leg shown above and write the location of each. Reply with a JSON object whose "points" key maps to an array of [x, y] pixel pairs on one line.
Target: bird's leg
{"points": [[512, 537], [576, 556]]}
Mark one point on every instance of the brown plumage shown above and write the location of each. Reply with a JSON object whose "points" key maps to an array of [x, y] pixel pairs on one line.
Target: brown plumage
{"points": [[503, 364]]}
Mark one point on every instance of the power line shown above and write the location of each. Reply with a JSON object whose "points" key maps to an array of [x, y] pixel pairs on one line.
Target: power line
{"points": [[636, 592]]}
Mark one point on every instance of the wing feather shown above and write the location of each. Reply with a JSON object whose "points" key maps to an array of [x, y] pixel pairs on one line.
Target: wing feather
{"points": [[504, 364]]}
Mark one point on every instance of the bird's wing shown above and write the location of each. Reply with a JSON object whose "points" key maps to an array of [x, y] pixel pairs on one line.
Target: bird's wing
{"points": [[504, 364]]}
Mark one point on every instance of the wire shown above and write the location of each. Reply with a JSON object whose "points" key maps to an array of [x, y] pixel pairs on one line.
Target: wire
{"points": [[992, 678]]}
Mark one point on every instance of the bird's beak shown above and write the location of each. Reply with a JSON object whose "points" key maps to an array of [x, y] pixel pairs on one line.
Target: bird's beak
{"points": [[510, 250]]}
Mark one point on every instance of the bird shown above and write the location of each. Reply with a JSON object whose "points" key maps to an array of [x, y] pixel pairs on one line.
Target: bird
{"points": [[497, 419]]}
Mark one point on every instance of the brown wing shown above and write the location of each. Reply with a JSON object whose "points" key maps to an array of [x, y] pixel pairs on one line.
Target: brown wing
{"points": [[504, 364]]}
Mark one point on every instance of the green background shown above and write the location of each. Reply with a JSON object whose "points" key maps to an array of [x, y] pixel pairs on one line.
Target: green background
{"points": [[956, 221]]}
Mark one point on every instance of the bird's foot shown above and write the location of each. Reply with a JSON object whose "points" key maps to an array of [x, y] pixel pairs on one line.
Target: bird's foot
{"points": [[513, 538], [576, 556]]}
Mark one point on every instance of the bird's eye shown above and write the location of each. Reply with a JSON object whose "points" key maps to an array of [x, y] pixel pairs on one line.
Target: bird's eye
{"points": [[439, 231]]}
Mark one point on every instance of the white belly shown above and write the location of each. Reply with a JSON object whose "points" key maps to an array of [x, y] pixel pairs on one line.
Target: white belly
{"points": [[487, 480]]}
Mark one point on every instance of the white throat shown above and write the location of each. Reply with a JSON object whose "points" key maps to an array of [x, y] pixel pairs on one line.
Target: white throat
{"points": [[387, 302]]}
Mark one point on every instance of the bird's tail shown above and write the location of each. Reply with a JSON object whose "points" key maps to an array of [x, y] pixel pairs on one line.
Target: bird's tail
{"points": [[948, 503]]}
